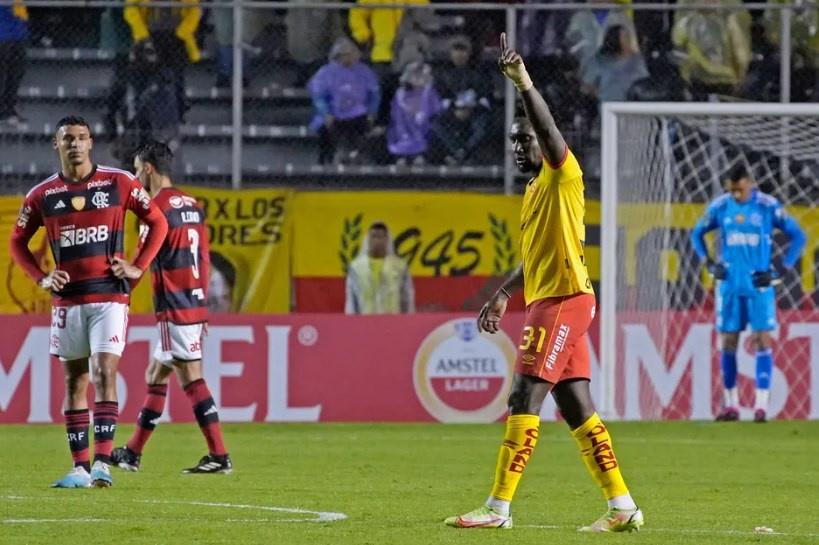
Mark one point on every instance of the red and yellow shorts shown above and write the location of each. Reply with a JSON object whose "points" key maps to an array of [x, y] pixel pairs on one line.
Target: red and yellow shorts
{"points": [[553, 343]]}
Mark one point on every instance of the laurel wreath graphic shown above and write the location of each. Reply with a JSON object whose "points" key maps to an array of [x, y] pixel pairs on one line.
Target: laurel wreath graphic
{"points": [[504, 260], [350, 240]]}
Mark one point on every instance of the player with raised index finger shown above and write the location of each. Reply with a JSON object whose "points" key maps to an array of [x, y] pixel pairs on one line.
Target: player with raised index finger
{"points": [[553, 355]]}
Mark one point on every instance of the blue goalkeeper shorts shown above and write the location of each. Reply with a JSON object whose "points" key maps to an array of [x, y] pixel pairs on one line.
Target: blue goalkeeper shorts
{"points": [[735, 312]]}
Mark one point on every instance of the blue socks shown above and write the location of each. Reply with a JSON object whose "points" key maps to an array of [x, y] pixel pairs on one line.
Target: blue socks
{"points": [[728, 362], [764, 367]]}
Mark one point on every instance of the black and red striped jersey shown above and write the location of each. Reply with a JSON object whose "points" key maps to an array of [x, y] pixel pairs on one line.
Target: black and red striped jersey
{"points": [[181, 268], [84, 220]]}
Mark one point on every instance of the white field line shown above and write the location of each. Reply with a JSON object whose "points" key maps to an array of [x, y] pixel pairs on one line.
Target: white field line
{"points": [[321, 516], [318, 516], [685, 531], [43, 521]]}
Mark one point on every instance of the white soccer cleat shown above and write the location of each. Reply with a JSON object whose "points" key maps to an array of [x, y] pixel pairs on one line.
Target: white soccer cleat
{"points": [[78, 477], [101, 475], [617, 520], [482, 517]]}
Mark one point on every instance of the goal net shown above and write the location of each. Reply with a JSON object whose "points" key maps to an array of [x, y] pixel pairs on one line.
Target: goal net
{"points": [[662, 164]]}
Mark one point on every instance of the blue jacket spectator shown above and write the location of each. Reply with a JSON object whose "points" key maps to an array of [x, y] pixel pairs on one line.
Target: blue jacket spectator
{"points": [[13, 34], [612, 71], [415, 105], [346, 95]]}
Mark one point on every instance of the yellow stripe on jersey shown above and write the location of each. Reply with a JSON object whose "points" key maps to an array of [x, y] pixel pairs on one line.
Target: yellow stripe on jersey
{"points": [[553, 232]]}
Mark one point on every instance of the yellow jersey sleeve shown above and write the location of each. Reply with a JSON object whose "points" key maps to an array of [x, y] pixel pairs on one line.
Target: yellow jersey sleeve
{"points": [[553, 232]]}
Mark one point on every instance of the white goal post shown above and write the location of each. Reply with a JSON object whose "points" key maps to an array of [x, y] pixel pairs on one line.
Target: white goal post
{"points": [[661, 164]]}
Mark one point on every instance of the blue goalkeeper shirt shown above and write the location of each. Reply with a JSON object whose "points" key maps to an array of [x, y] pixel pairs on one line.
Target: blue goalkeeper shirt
{"points": [[746, 237]]}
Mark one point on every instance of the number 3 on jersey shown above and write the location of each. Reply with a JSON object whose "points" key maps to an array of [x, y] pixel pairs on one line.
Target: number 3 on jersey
{"points": [[193, 238]]}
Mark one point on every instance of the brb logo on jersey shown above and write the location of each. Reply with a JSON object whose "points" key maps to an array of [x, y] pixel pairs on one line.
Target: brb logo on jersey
{"points": [[71, 236], [463, 376]]}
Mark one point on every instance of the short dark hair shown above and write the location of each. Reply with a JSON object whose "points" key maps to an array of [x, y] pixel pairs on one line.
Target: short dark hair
{"points": [[738, 172], [158, 154], [378, 225], [72, 120]]}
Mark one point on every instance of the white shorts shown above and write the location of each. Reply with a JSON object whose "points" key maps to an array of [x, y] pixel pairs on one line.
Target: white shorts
{"points": [[178, 342], [79, 331]]}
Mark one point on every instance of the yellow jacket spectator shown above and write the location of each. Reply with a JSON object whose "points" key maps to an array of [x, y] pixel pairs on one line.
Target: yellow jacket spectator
{"points": [[377, 27], [716, 45], [182, 21], [804, 29], [378, 281]]}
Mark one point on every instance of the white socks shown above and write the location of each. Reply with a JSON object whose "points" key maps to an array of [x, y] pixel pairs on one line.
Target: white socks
{"points": [[623, 502], [499, 506], [731, 398]]}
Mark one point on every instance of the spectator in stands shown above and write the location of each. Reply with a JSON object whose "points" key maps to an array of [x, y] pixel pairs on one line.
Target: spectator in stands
{"points": [[13, 35], [716, 45], [611, 72], [459, 75], [310, 33], [805, 41], [346, 95], [588, 27], [378, 281], [254, 22], [541, 33], [375, 29], [412, 43], [115, 36], [460, 130], [170, 33], [414, 106]]}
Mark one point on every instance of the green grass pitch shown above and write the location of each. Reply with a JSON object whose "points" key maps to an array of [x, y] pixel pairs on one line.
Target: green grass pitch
{"points": [[699, 483]]}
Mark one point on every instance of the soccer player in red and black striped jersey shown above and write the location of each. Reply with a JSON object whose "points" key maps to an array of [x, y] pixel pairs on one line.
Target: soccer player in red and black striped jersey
{"points": [[82, 208], [180, 285]]}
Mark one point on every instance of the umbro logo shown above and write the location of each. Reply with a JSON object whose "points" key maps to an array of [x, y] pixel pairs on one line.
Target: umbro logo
{"points": [[60, 204], [212, 410]]}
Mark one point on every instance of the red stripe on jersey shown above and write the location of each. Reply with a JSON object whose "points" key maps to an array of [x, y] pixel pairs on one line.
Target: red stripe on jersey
{"points": [[179, 272]]}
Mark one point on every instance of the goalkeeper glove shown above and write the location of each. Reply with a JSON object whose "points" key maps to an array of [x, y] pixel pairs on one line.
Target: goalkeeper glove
{"points": [[717, 270], [763, 279]]}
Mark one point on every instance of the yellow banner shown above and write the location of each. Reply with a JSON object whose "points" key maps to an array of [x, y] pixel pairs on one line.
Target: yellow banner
{"points": [[250, 238], [252, 233], [249, 233], [19, 293], [439, 234]]}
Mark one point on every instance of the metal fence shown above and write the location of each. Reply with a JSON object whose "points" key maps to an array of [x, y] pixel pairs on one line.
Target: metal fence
{"points": [[336, 94]]}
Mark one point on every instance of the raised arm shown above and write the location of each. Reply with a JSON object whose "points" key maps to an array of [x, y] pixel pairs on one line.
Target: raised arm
{"points": [[551, 141]]}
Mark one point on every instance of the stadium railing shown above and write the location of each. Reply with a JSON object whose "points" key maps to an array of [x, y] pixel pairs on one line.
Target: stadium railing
{"points": [[251, 125]]}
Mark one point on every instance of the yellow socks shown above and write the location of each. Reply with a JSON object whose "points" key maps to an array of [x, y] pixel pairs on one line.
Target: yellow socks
{"points": [[594, 442], [518, 444]]}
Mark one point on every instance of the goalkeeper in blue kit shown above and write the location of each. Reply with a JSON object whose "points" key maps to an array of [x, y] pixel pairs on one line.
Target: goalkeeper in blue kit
{"points": [[746, 219]]}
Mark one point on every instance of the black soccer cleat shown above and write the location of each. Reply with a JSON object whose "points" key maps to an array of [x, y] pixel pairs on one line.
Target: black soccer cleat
{"points": [[760, 416], [211, 464], [125, 458]]}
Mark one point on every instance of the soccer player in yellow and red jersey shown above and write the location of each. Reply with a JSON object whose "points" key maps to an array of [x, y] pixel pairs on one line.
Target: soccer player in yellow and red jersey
{"points": [[553, 355]]}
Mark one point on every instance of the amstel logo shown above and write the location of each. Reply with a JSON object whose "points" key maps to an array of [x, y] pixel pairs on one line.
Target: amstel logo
{"points": [[463, 376]]}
